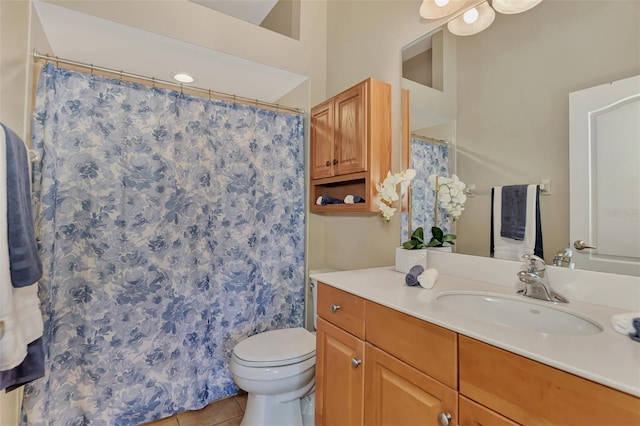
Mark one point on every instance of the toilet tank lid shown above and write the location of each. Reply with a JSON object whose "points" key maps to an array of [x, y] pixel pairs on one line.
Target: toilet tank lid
{"points": [[276, 345]]}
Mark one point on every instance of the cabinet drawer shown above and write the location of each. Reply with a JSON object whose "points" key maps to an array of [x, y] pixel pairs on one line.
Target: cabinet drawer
{"points": [[532, 393], [341, 309], [427, 347], [472, 414]]}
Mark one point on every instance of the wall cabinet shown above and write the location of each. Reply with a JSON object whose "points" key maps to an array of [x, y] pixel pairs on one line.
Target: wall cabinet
{"points": [[351, 145], [378, 366]]}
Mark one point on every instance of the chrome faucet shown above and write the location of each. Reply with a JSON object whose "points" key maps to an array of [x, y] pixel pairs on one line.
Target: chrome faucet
{"points": [[563, 259], [536, 282]]}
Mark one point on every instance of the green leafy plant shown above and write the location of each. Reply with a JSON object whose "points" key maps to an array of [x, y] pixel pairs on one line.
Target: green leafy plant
{"points": [[416, 241], [438, 238]]}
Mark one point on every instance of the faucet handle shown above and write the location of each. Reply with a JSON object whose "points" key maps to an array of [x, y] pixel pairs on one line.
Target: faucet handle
{"points": [[534, 262]]}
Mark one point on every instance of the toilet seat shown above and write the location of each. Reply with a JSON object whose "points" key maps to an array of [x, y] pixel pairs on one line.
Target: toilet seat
{"points": [[276, 348]]}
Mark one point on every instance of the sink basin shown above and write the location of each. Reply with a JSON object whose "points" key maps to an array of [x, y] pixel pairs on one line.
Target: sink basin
{"points": [[515, 312]]}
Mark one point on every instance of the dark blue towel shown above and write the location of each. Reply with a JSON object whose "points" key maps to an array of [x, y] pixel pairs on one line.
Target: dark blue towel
{"points": [[636, 324], [412, 277], [514, 212], [327, 199], [358, 199], [32, 368], [25, 264]]}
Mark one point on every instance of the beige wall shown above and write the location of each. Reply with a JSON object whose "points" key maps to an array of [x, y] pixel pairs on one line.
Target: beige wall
{"points": [[366, 39], [514, 81]]}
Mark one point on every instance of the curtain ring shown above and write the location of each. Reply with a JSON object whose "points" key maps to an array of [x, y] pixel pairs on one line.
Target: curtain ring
{"points": [[121, 76], [153, 82], [91, 68], [234, 99], [181, 91], [209, 94], [57, 63]]}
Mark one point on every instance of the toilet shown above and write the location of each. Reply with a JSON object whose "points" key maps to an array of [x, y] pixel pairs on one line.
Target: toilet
{"points": [[277, 370]]}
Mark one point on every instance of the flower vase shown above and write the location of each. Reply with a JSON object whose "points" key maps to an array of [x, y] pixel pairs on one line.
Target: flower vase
{"points": [[407, 259]]}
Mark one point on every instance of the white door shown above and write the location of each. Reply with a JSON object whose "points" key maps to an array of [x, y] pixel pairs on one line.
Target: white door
{"points": [[604, 153]]}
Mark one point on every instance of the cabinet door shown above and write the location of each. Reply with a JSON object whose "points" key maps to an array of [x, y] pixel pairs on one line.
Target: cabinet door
{"points": [[351, 130], [398, 394], [322, 140], [339, 377], [472, 414]]}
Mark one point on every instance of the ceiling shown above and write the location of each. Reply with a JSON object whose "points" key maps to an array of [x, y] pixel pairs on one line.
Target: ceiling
{"points": [[112, 45]]}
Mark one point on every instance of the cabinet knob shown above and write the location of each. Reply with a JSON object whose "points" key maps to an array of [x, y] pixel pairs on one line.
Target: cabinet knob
{"points": [[328, 163], [355, 362], [334, 307], [444, 419], [335, 161]]}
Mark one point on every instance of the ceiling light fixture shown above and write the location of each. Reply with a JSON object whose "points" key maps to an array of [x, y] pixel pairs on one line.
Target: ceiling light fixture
{"points": [[473, 20], [183, 77], [436, 9], [509, 7]]}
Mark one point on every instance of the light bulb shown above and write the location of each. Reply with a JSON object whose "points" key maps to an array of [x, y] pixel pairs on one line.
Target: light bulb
{"points": [[470, 16], [441, 3]]}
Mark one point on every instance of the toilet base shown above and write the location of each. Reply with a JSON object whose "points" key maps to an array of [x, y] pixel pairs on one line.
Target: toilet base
{"points": [[271, 410]]}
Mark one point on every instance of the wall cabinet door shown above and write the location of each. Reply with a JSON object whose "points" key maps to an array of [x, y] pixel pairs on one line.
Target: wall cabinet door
{"points": [[351, 130], [339, 377], [398, 394], [322, 140]]}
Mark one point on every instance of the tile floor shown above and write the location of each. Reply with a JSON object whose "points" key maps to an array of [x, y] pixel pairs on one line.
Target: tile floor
{"points": [[224, 412]]}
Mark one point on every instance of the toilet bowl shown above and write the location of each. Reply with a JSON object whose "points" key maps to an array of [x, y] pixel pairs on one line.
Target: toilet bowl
{"points": [[276, 368]]}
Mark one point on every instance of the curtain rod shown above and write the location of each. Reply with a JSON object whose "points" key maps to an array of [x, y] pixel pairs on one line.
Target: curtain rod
{"points": [[429, 139], [153, 80]]}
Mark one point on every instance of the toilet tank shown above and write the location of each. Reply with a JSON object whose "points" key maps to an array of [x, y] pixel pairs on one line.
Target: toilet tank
{"points": [[314, 292]]}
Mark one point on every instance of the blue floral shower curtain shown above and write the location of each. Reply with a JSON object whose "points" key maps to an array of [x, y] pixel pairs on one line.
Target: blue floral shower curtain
{"points": [[171, 227], [427, 159]]}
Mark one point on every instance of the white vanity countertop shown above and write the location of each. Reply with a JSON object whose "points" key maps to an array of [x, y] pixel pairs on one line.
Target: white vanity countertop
{"points": [[609, 358]]}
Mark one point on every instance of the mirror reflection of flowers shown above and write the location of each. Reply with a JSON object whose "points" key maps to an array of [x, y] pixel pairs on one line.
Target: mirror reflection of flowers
{"points": [[388, 193], [450, 196]]}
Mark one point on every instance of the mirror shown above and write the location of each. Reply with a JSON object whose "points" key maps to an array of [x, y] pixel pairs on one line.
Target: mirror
{"points": [[503, 107]]}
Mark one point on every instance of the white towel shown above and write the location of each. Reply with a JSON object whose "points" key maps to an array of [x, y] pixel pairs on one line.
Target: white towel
{"points": [[428, 278], [508, 248], [19, 307], [623, 323]]}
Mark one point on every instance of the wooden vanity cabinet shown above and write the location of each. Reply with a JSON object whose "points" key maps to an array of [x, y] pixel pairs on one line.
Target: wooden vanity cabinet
{"points": [[351, 145], [379, 366]]}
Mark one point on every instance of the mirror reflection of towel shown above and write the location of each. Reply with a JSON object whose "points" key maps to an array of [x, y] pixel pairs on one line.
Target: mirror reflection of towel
{"points": [[514, 212], [510, 248]]}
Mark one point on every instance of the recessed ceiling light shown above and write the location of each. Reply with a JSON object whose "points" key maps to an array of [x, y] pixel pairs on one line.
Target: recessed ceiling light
{"points": [[183, 77]]}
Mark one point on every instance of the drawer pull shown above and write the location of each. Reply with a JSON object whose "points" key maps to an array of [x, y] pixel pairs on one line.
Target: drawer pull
{"points": [[444, 419], [334, 307], [328, 163], [355, 362]]}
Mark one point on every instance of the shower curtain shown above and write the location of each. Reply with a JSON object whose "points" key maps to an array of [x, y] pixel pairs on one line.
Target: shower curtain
{"points": [[171, 227], [427, 159]]}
